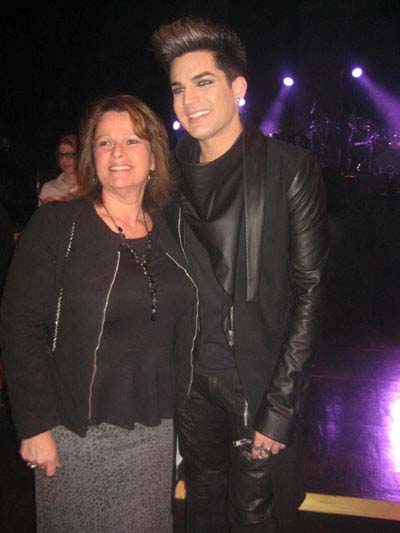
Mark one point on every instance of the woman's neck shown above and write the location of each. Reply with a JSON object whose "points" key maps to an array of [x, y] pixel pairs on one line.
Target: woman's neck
{"points": [[126, 212]]}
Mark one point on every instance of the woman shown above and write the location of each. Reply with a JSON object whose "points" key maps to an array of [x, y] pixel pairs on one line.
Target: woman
{"points": [[65, 186], [97, 303]]}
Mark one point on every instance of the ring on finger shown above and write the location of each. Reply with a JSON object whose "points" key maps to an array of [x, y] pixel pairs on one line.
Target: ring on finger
{"points": [[31, 465]]}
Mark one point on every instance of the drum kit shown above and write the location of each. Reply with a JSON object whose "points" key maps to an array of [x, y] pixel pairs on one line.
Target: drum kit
{"points": [[355, 149], [356, 145], [372, 149]]}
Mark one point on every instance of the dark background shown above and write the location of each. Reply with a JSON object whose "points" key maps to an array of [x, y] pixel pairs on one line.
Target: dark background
{"points": [[57, 58]]}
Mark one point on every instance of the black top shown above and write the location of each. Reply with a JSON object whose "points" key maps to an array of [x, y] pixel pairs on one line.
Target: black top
{"points": [[134, 377], [211, 197], [213, 353]]}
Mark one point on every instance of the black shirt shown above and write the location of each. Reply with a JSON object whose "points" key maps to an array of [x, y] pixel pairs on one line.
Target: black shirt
{"points": [[134, 377], [211, 197], [213, 353]]}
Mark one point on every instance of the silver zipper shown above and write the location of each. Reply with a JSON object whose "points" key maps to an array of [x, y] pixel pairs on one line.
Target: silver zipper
{"points": [[197, 317], [246, 414], [231, 335], [101, 335], [61, 293], [180, 235]]}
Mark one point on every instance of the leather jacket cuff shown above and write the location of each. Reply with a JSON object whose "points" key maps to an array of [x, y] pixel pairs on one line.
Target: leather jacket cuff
{"points": [[274, 425]]}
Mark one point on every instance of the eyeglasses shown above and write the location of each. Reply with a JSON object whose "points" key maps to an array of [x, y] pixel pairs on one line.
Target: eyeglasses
{"points": [[66, 155]]}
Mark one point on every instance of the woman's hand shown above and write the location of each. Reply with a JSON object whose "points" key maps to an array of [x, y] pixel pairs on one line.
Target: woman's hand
{"points": [[41, 450]]}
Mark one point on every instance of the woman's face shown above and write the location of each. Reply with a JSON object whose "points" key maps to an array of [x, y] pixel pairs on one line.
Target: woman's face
{"points": [[67, 159], [123, 160]]}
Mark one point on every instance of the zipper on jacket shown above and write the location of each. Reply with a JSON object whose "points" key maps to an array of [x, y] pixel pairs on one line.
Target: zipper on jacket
{"points": [[180, 236], [61, 293], [231, 335], [246, 414], [197, 318], [103, 319]]}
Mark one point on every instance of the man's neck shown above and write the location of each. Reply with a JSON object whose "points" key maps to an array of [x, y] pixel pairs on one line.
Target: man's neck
{"points": [[218, 145]]}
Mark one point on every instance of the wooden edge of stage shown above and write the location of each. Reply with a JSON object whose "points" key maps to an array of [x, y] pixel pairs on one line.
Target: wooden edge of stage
{"points": [[340, 505], [347, 505]]}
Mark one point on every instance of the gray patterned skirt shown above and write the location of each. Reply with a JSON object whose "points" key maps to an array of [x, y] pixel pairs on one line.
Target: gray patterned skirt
{"points": [[112, 481]]}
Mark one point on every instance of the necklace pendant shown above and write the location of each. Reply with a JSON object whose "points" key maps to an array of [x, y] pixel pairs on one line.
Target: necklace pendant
{"points": [[142, 262]]}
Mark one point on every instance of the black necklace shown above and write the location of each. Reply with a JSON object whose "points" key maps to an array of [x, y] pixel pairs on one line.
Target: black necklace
{"points": [[142, 261]]}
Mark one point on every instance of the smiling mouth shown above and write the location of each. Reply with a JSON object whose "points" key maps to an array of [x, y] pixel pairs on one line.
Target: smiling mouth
{"points": [[198, 114], [120, 167]]}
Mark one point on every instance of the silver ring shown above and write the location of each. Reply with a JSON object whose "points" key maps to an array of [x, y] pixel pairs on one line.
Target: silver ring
{"points": [[31, 465], [267, 450]]}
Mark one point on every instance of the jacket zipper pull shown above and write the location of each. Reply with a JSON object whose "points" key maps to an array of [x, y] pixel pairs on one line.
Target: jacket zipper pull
{"points": [[231, 339]]}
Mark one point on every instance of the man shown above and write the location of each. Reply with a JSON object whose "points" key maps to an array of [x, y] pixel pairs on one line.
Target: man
{"points": [[251, 221]]}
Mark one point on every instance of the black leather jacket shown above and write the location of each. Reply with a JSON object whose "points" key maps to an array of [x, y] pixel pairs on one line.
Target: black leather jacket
{"points": [[283, 249]]}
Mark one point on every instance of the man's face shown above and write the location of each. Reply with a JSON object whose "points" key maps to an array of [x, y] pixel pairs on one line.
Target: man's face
{"points": [[204, 100]]}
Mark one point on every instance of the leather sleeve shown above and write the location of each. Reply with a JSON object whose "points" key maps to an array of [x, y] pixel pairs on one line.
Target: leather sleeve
{"points": [[309, 245], [27, 304]]}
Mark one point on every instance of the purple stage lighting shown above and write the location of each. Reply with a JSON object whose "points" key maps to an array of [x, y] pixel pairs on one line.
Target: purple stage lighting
{"points": [[387, 104], [357, 72], [271, 121], [176, 125], [288, 81]]}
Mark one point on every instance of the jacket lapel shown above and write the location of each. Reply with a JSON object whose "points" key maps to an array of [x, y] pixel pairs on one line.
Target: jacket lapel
{"points": [[254, 170], [169, 235]]}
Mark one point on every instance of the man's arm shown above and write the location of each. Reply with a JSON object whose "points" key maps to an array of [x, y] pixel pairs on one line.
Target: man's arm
{"points": [[309, 244]]}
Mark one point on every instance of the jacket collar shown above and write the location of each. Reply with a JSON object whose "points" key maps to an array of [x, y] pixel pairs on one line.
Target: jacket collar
{"points": [[254, 169]]}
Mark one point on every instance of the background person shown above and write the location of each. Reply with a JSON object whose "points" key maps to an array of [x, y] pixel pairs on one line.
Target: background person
{"points": [[65, 185], [97, 313]]}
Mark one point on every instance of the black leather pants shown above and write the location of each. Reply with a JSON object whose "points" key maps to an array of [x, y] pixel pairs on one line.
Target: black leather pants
{"points": [[228, 491]]}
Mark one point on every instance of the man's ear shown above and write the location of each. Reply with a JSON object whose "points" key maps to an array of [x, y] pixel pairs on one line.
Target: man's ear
{"points": [[239, 87]]}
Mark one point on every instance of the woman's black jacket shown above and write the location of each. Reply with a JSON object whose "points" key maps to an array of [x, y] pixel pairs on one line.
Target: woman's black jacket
{"points": [[48, 342]]}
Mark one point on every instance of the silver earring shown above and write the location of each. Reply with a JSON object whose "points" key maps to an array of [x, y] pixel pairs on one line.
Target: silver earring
{"points": [[237, 99]]}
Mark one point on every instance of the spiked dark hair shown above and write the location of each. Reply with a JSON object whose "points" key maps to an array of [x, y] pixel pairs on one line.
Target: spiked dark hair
{"points": [[191, 34]]}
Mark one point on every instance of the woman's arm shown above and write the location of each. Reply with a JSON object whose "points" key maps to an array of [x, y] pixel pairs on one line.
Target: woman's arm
{"points": [[27, 309]]}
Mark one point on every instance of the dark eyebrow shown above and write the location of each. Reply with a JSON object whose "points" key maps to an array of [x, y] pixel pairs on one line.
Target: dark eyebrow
{"points": [[195, 78], [202, 74]]}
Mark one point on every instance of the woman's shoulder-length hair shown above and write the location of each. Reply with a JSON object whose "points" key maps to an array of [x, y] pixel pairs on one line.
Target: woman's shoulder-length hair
{"points": [[147, 125]]}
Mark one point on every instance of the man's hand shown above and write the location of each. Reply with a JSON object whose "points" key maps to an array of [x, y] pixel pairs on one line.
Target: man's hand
{"points": [[263, 446], [41, 450]]}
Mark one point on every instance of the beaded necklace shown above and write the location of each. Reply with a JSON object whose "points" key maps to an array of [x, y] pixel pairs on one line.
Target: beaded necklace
{"points": [[142, 262]]}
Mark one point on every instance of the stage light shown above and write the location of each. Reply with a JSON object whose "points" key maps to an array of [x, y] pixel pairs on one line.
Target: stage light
{"points": [[271, 121], [176, 125], [288, 81], [357, 72]]}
